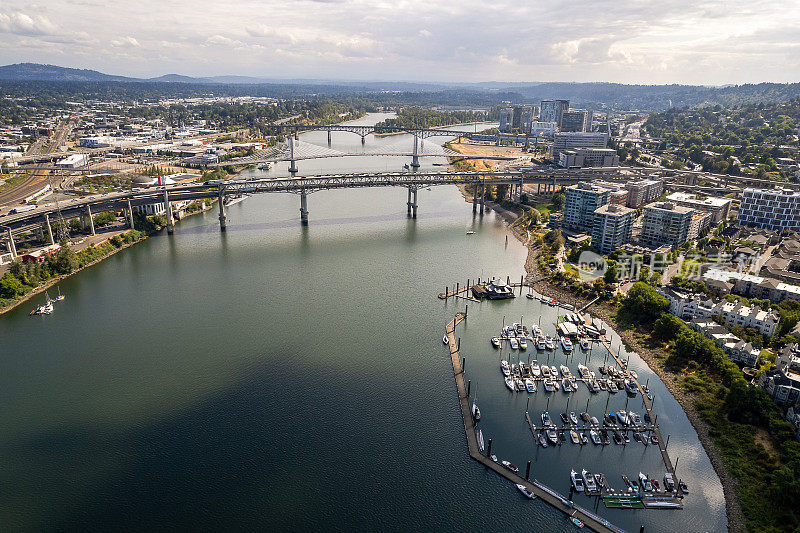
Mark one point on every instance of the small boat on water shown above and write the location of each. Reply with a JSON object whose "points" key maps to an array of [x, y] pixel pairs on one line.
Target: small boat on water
{"points": [[536, 371], [554, 371], [612, 387], [480, 440], [60, 296], [634, 418], [552, 436], [514, 343], [576, 480], [529, 296], [540, 343], [595, 436], [585, 344], [654, 439], [496, 342], [505, 368], [542, 440], [530, 386], [476, 412], [683, 488], [444, 340], [565, 371], [647, 418], [588, 480], [584, 438], [583, 371], [645, 483], [564, 418], [510, 384], [566, 344], [549, 344], [545, 371], [549, 386], [470, 232], [669, 482], [524, 490], [566, 385], [573, 418], [546, 421], [576, 522], [630, 387], [510, 466], [622, 417], [574, 436], [523, 344], [655, 484], [520, 385]]}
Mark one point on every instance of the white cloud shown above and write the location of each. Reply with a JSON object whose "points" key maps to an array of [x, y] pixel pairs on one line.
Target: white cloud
{"points": [[686, 41]]}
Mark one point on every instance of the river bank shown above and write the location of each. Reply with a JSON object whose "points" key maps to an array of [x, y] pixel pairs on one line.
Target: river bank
{"points": [[390, 133], [55, 280]]}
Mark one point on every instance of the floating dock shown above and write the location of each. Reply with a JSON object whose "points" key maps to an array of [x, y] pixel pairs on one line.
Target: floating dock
{"points": [[544, 493]]}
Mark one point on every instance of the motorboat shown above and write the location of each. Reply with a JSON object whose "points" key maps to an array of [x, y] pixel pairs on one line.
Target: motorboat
{"points": [[566, 344], [622, 417], [496, 342], [476, 412], [612, 387], [542, 440], [554, 371], [565, 371], [505, 368], [583, 371], [584, 344], [530, 296], [540, 343], [655, 484], [610, 419], [595, 436], [514, 343], [470, 232], [602, 384], [552, 436], [588, 480], [631, 387], [546, 420], [566, 385], [536, 331], [573, 418], [510, 466], [592, 385], [577, 481], [634, 418], [549, 386], [510, 384], [524, 490], [444, 340], [556, 384], [594, 422], [618, 437], [535, 370], [654, 439], [633, 374], [638, 437], [603, 370], [523, 344], [545, 371], [584, 438], [683, 488], [576, 522], [605, 437], [574, 436], [493, 457], [520, 384], [564, 418], [479, 434], [549, 344], [645, 483], [585, 417], [515, 370], [530, 386], [626, 437]]}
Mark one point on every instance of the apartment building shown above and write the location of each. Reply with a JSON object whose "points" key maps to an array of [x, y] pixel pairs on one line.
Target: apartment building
{"points": [[643, 192], [612, 227], [581, 201], [718, 207], [665, 223], [776, 209]]}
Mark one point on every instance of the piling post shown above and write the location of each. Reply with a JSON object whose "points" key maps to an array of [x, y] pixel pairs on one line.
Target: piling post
{"points": [[463, 364], [489, 448], [456, 288], [483, 193], [168, 212], [446, 292], [641, 529], [414, 205], [475, 200], [469, 386], [666, 443], [329, 136], [408, 203], [528, 471], [303, 207], [466, 309], [458, 346]]}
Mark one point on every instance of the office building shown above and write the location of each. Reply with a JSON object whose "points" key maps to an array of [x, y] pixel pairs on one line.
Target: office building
{"points": [[542, 128], [777, 209], [574, 140], [581, 201], [553, 111], [506, 119], [588, 157], [526, 118], [717, 207], [643, 191], [665, 223], [612, 227], [578, 120]]}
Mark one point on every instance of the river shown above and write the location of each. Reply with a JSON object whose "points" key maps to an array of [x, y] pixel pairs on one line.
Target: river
{"points": [[279, 376]]}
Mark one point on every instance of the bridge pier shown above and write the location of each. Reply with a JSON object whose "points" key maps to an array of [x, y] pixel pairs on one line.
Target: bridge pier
{"points": [[168, 213], [303, 208], [49, 228], [91, 220], [483, 194], [130, 215], [329, 136], [11, 247], [414, 205], [292, 163], [475, 198], [363, 139], [415, 156], [223, 223], [408, 202]]}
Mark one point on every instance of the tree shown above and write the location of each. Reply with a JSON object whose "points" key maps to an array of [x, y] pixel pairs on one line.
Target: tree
{"points": [[668, 326], [501, 192], [65, 260], [644, 302], [612, 272], [10, 286], [558, 201]]}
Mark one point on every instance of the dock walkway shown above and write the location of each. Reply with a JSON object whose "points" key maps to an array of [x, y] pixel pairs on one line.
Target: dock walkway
{"points": [[591, 520]]}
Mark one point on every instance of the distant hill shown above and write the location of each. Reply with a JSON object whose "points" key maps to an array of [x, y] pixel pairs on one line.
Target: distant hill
{"points": [[38, 72], [596, 96]]}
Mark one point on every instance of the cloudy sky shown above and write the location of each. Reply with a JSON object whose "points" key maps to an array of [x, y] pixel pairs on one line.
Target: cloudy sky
{"points": [[640, 41]]}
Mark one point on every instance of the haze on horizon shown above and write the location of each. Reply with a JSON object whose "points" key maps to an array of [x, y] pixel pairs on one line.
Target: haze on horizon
{"points": [[671, 41]]}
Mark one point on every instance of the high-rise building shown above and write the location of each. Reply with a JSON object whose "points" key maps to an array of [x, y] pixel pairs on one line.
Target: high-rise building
{"points": [[612, 227], [506, 119], [643, 191], [553, 111], [777, 209], [576, 120], [588, 157], [665, 223], [718, 207], [581, 201], [526, 118], [575, 140]]}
